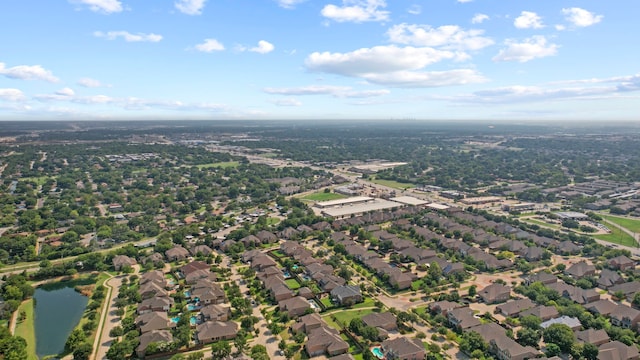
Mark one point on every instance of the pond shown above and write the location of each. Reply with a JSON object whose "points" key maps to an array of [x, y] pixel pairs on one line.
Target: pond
{"points": [[57, 312]]}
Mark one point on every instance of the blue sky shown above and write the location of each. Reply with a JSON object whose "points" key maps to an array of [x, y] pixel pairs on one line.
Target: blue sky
{"points": [[319, 59]]}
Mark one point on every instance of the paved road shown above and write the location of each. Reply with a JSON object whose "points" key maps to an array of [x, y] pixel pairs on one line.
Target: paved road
{"points": [[265, 337], [109, 319]]}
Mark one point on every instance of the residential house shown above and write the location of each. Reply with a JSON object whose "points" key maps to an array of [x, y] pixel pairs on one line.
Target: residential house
{"points": [[513, 308], [384, 322], [580, 269], [403, 348], [495, 293], [500, 345], [152, 321], [266, 237], [443, 307], [601, 307], [625, 316], [215, 312], [177, 253], [211, 331], [609, 278], [543, 277], [629, 289], [592, 336], [192, 267], [202, 249], [208, 292], [534, 253], [571, 322], [542, 312], [197, 275], [122, 261], [307, 323], [156, 276], [462, 318], [155, 304], [306, 293], [155, 336], [152, 289], [621, 263], [346, 295], [296, 306], [616, 350], [325, 340]]}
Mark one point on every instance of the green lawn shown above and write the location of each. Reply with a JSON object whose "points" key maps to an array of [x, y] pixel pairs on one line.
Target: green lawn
{"points": [[345, 317], [323, 196], [272, 221], [26, 328], [40, 180], [368, 302], [617, 236], [326, 302], [628, 223], [393, 184], [225, 164], [541, 223], [293, 284]]}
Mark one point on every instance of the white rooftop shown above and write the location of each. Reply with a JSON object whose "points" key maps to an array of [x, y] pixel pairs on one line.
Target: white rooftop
{"points": [[347, 201], [409, 200]]}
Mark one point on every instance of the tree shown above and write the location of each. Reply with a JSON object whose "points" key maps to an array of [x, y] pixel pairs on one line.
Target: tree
{"points": [[116, 331], [472, 291], [220, 349], [531, 322], [561, 335], [75, 339], [83, 351], [528, 337], [552, 350], [196, 356], [590, 351], [471, 341], [435, 272]]}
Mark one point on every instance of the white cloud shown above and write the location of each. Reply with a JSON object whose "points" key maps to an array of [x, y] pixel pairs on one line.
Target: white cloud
{"points": [[335, 91], [60, 95], [66, 92], [378, 59], [263, 47], [581, 17], [286, 102], [90, 83], [479, 18], [127, 36], [103, 6], [447, 36], [465, 1], [190, 7], [415, 9], [528, 20], [27, 72], [289, 4], [560, 27], [418, 79], [210, 45], [357, 11], [531, 48], [13, 95]]}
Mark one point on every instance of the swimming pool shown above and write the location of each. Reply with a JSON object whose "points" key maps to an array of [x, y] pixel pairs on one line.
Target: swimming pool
{"points": [[377, 352], [175, 319], [193, 321], [192, 307]]}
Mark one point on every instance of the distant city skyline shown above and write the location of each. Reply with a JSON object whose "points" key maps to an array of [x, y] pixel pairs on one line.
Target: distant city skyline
{"points": [[328, 59]]}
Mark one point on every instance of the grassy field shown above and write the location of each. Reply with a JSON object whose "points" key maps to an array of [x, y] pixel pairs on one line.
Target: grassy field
{"points": [[40, 180], [393, 184], [541, 223], [26, 328], [226, 164], [617, 236], [293, 284], [345, 317], [627, 223], [322, 196]]}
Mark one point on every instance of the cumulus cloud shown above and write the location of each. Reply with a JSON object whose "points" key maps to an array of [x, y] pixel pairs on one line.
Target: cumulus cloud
{"points": [[531, 48], [210, 45], [27, 72], [12, 95], [286, 102], [60, 95], [127, 36], [378, 59], [447, 36], [393, 66], [289, 4], [581, 17], [103, 6], [90, 83], [263, 47], [420, 79], [190, 7], [465, 1], [479, 18], [335, 91], [528, 20], [357, 11]]}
